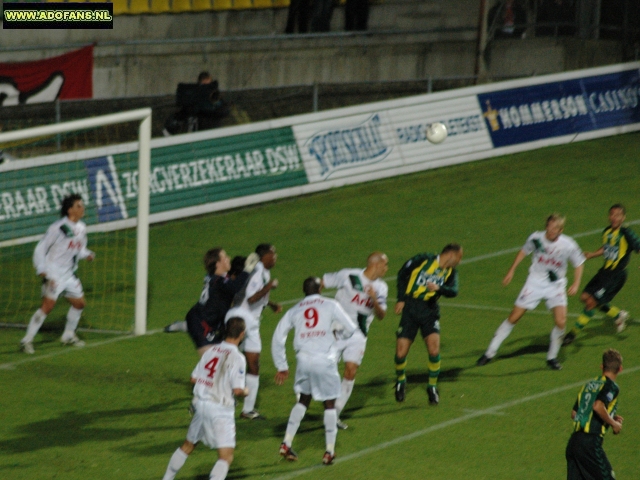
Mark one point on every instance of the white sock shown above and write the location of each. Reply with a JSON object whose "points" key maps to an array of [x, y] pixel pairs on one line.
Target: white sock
{"points": [[73, 317], [219, 470], [555, 342], [177, 461], [503, 331], [296, 416], [179, 326], [35, 323], [253, 382], [330, 429], [345, 393]]}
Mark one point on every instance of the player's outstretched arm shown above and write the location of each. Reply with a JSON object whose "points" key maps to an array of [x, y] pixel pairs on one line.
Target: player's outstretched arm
{"points": [[512, 270], [577, 278]]}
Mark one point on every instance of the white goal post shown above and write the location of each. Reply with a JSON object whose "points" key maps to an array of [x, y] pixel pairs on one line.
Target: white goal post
{"points": [[144, 166]]}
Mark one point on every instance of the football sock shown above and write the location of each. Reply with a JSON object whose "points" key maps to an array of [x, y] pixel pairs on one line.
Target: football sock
{"points": [[434, 370], [503, 331], [34, 325], [73, 318], [296, 416], [401, 367], [555, 342], [345, 393], [613, 312], [330, 429], [219, 470], [178, 326], [177, 461], [582, 320], [253, 382]]}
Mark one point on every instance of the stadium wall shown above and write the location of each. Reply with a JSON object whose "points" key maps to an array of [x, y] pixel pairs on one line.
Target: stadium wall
{"points": [[227, 168]]}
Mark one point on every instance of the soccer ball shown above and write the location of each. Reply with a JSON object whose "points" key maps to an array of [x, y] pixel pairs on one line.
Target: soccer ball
{"points": [[436, 132]]}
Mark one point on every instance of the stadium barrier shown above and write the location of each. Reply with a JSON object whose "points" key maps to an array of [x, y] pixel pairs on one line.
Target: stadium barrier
{"points": [[227, 168]]}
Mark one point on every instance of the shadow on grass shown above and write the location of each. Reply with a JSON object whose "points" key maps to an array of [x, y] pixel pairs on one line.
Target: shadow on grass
{"points": [[73, 428]]}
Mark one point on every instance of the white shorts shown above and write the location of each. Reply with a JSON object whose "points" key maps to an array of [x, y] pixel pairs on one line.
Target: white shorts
{"points": [[252, 342], [71, 286], [213, 425], [320, 379], [536, 289], [352, 349]]}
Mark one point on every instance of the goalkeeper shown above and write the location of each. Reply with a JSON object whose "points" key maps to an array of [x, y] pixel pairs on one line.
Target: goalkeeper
{"points": [[223, 281], [56, 260]]}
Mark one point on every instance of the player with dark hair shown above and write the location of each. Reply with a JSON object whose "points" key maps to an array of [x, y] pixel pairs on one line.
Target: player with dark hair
{"points": [[218, 378], [421, 282], [56, 259], [552, 252], [618, 243], [254, 297], [593, 413], [205, 320], [315, 320]]}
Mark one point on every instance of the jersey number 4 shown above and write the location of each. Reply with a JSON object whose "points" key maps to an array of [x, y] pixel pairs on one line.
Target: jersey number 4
{"points": [[211, 366]]}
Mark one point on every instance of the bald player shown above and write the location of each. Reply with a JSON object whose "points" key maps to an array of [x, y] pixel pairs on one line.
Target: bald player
{"points": [[363, 295]]}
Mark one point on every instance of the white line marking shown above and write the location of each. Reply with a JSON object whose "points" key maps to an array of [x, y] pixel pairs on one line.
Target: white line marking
{"points": [[449, 423], [63, 351], [12, 365]]}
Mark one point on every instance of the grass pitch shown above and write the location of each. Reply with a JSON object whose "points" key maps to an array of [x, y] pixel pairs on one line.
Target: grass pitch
{"points": [[118, 408]]}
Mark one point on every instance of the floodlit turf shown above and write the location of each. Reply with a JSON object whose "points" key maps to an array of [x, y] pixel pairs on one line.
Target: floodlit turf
{"points": [[118, 408]]}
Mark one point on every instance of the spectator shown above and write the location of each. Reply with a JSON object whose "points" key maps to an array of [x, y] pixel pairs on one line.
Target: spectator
{"points": [[202, 108], [507, 20], [321, 15], [356, 15], [298, 10]]}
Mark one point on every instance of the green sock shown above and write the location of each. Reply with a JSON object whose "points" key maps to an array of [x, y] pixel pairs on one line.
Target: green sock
{"points": [[613, 312], [401, 367], [434, 370]]}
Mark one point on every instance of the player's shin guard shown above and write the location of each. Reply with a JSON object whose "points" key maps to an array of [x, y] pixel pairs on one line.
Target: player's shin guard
{"points": [[73, 318], [296, 416], [175, 464], [401, 369], [434, 370], [555, 342], [219, 470], [503, 331], [582, 321], [253, 382], [37, 319], [330, 429], [345, 393]]}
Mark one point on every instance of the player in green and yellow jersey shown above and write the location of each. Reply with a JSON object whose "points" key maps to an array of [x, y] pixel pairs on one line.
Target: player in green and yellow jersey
{"points": [[421, 282], [593, 412], [617, 244]]}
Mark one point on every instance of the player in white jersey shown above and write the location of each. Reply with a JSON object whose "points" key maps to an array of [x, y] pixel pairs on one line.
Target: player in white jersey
{"points": [[315, 320], [218, 377], [363, 295], [254, 297], [552, 252], [56, 259]]}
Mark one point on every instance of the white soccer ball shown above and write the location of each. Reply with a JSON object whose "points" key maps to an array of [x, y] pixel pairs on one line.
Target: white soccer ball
{"points": [[436, 132]]}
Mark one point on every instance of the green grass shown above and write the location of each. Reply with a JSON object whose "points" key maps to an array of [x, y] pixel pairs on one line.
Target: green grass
{"points": [[118, 408]]}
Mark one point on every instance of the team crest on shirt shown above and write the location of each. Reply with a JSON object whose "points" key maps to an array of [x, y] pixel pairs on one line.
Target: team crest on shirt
{"points": [[610, 396]]}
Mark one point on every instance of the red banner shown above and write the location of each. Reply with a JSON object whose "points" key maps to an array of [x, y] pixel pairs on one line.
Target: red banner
{"points": [[65, 77]]}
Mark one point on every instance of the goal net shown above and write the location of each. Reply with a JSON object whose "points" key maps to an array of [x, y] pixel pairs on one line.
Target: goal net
{"points": [[33, 182]]}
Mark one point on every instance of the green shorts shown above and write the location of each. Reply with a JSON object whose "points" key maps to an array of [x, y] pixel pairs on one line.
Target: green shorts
{"points": [[586, 458], [605, 285], [418, 314]]}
